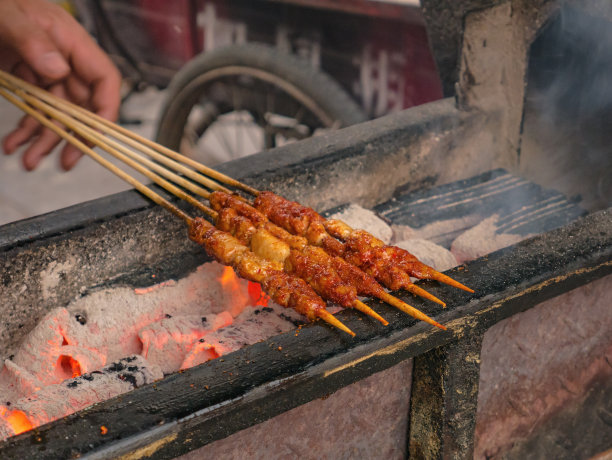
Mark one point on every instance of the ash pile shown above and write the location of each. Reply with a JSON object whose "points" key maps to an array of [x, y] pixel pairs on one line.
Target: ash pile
{"points": [[116, 339]]}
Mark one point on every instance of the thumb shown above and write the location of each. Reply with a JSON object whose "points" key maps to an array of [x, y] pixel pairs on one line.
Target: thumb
{"points": [[41, 54]]}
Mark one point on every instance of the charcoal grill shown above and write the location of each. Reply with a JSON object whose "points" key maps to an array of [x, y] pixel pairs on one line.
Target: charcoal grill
{"points": [[461, 141]]}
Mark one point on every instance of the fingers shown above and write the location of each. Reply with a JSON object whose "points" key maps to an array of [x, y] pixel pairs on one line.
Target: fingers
{"points": [[45, 142], [35, 48], [45, 46], [94, 69], [27, 129], [69, 157], [41, 147]]}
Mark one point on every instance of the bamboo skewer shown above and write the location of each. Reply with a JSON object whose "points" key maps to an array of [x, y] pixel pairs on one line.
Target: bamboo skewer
{"points": [[100, 132], [155, 197], [149, 193], [87, 116]]}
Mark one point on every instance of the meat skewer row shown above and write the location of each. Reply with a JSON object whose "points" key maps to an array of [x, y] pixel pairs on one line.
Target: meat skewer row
{"points": [[367, 250], [267, 239], [315, 233], [390, 265], [286, 290]]}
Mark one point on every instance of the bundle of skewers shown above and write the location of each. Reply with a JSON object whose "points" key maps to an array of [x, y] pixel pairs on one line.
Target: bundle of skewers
{"points": [[300, 259]]}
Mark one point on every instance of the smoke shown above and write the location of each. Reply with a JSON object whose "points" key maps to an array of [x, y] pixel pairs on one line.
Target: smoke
{"points": [[568, 119]]}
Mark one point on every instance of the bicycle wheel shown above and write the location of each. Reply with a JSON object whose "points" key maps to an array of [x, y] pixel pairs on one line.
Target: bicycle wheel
{"points": [[242, 99]]}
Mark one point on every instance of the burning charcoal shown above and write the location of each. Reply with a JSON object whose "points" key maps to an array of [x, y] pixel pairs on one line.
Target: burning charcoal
{"points": [[429, 253], [12, 422], [360, 218], [253, 325], [483, 239], [6, 431], [74, 361], [55, 401], [47, 356], [115, 316], [40, 351], [167, 342]]}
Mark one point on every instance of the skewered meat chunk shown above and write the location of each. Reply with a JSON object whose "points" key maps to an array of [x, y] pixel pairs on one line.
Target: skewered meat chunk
{"points": [[311, 264], [299, 220], [229, 206], [286, 290], [220, 200], [314, 266]]}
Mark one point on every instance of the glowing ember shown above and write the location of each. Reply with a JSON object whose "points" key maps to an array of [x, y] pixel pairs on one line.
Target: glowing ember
{"points": [[16, 419], [70, 365]]}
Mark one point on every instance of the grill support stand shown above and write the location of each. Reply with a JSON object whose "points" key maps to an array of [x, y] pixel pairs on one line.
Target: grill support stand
{"points": [[444, 400]]}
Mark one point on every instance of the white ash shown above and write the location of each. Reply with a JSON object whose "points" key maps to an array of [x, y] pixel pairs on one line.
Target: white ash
{"points": [[40, 351], [253, 325], [364, 219], [60, 400], [166, 343], [483, 239], [430, 253], [15, 381]]}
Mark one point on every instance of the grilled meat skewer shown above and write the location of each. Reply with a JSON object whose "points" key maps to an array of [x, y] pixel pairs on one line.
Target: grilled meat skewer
{"points": [[363, 247], [286, 290], [336, 280]]}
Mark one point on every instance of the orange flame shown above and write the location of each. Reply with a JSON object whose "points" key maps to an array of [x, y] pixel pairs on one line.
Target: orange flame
{"points": [[235, 295], [18, 420], [257, 296]]}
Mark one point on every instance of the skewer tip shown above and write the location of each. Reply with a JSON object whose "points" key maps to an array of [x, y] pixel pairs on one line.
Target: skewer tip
{"points": [[441, 277], [403, 306], [416, 290], [362, 307], [331, 319]]}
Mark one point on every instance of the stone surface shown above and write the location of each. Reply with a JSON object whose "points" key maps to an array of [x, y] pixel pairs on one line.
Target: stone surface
{"points": [[537, 362], [367, 419]]}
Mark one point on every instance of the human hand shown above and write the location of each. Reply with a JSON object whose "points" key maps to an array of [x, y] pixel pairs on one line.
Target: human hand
{"points": [[43, 44]]}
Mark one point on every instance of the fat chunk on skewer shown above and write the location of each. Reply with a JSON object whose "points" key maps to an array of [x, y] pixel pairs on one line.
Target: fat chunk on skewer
{"points": [[287, 291]]}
